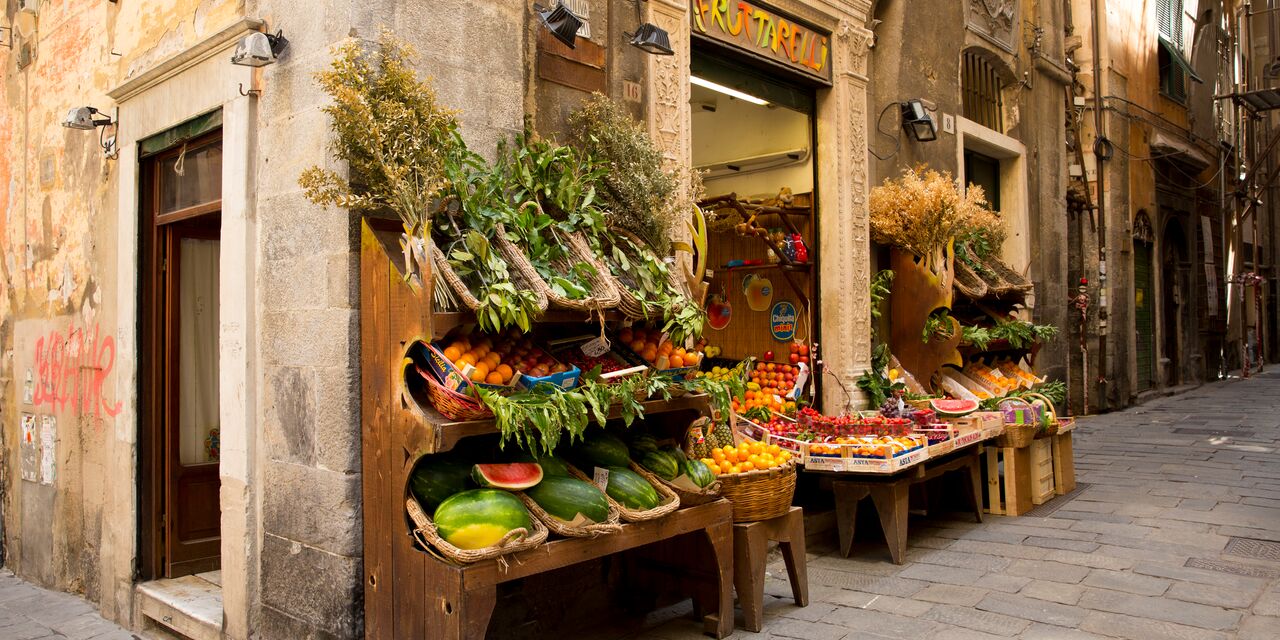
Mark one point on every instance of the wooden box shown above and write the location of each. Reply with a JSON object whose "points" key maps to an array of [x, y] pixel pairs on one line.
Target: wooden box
{"points": [[1042, 485]]}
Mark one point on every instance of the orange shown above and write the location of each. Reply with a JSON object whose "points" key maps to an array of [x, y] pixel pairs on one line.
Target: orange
{"points": [[495, 378], [736, 469], [774, 449], [717, 454], [678, 351], [464, 360], [726, 467], [650, 353], [480, 372], [664, 349], [753, 460], [748, 466], [506, 371], [676, 361], [452, 353], [493, 358], [481, 351], [731, 455], [757, 448]]}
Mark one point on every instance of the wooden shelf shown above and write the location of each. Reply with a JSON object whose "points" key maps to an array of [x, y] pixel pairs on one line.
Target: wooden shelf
{"points": [[442, 322], [434, 433], [799, 266]]}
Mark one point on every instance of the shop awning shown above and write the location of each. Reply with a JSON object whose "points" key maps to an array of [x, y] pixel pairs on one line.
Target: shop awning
{"points": [[1176, 55], [1174, 148]]}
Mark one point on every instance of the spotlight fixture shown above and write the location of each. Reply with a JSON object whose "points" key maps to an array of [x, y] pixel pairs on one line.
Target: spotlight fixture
{"points": [[917, 121], [259, 49], [562, 23], [81, 118], [653, 39]]}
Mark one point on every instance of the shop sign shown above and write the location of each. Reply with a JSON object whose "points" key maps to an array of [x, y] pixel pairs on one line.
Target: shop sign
{"points": [[782, 321], [762, 32]]}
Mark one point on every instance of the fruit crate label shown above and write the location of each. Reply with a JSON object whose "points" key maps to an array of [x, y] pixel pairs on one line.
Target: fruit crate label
{"points": [[596, 348], [601, 478], [967, 438]]}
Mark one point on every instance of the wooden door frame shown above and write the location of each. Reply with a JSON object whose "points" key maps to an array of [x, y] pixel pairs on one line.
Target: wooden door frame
{"points": [[152, 309]]}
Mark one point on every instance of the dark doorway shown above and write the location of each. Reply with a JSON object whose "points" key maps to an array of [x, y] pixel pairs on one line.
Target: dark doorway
{"points": [[1172, 300], [181, 206], [1144, 315], [984, 171]]}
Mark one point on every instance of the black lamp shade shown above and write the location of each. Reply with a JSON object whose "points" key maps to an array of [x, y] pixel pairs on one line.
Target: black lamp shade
{"points": [[562, 23], [652, 39], [918, 122]]}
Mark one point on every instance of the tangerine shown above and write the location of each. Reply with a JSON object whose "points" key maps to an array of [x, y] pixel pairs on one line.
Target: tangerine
{"points": [[480, 372], [747, 466], [452, 353], [676, 361], [495, 378]]}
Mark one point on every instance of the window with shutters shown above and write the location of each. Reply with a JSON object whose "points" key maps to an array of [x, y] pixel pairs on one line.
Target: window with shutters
{"points": [[981, 88], [1172, 63]]}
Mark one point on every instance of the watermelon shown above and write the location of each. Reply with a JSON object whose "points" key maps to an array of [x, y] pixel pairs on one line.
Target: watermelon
{"points": [[698, 472], [551, 465], [570, 500], [953, 408], [513, 475], [602, 449], [479, 518], [662, 464], [642, 445], [433, 481], [631, 490]]}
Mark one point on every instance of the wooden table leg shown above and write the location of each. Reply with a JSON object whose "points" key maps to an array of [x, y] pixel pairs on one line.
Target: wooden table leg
{"points": [[1064, 470], [793, 552], [847, 496], [750, 546], [720, 624], [477, 608], [993, 481], [891, 500], [975, 482]]}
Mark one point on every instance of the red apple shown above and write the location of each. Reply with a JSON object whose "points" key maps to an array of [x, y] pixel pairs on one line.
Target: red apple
{"points": [[768, 355]]}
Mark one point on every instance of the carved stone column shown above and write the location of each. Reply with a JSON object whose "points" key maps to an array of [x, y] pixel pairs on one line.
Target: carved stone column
{"points": [[668, 84], [845, 243]]}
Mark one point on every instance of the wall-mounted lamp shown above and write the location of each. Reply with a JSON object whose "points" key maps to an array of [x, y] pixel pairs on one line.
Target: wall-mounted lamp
{"points": [[259, 49], [653, 39], [917, 121], [82, 119], [29, 7], [562, 23]]}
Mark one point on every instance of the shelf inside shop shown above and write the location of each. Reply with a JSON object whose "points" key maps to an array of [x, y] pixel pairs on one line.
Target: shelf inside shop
{"points": [[442, 322], [799, 266], [432, 432]]}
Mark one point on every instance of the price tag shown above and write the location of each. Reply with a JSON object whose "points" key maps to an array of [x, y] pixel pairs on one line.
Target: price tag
{"points": [[601, 478], [595, 348]]}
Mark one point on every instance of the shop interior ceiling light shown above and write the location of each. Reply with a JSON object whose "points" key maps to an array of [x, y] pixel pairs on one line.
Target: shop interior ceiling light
{"points": [[653, 39], [562, 23], [917, 121], [733, 93], [259, 49], [81, 118]]}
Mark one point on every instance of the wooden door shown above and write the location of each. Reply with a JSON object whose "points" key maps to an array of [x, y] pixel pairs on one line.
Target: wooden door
{"points": [[181, 248], [1144, 314]]}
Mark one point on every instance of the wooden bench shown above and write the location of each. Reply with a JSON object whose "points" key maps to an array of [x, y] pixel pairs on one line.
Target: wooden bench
{"points": [[890, 495], [750, 548]]}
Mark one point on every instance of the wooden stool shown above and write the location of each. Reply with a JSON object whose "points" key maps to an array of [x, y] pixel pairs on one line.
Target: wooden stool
{"points": [[750, 546]]}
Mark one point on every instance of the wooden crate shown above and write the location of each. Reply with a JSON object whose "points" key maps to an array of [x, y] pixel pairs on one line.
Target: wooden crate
{"points": [[1064, 465], [1008, 488], [1042, 470]]}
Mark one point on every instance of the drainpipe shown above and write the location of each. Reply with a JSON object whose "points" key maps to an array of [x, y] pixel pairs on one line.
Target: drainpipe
{"points": [[1101, 151]]}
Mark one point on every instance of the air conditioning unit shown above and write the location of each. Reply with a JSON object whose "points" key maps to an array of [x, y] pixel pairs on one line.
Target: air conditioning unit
{"points": [[31, 7]]}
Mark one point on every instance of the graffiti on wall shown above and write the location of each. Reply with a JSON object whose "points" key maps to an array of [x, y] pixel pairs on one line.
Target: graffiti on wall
{"points": [[71, 371]]}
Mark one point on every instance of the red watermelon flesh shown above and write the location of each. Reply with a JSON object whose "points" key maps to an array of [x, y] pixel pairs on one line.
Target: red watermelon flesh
{"points": [[512, 475], [951, 407]]}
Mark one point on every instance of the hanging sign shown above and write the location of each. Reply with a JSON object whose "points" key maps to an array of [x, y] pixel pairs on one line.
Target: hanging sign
{"points": [[764, 33], [758, 290], [782, 321]]}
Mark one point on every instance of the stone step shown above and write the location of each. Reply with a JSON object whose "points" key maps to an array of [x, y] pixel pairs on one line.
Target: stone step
{"points": [[190, 606]]}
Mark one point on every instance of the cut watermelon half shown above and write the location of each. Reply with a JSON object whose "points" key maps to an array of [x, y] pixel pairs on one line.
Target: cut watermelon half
{"points": [[513, 475], [954, 408]]}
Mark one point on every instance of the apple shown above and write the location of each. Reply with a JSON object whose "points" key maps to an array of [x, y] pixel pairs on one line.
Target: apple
{"points": [[768, 355], [795, 357]]}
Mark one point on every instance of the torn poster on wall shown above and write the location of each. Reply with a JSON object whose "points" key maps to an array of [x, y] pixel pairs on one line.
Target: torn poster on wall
{"points": [[27, 450], [48, 448]]}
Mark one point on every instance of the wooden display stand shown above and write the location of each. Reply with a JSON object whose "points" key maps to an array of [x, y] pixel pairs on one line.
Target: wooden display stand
{"points": [[751, 545], [408, 592], [1009, 493]]}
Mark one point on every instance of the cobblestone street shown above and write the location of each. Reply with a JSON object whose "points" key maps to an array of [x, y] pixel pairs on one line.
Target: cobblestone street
{"points": [[28, 612], [1176, 535]]}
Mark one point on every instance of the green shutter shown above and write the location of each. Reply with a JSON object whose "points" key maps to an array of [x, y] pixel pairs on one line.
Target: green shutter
{"points": [[188, 130]]}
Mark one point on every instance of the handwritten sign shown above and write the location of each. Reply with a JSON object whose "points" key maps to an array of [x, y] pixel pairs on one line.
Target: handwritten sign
{"points": [[762, 32], [782, 321]]}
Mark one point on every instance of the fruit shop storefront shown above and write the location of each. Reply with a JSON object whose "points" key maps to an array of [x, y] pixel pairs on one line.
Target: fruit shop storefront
{"points": [[493, 503]]}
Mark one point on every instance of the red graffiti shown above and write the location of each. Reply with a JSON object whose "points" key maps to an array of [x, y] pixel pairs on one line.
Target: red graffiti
{"points": [[72, 370]]}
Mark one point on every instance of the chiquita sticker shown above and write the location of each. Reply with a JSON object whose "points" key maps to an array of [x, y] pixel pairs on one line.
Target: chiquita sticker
{"points": [[782, 321]]}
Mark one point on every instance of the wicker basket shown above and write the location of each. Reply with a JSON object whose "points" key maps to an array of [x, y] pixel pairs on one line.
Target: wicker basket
{"points": [[612, 525], [603, 294], [709, 493], [628, 304], [1050, 426], [760, 494], [669, 501], [1016, 436], [460, 288], [515, 541], [450, 403]]}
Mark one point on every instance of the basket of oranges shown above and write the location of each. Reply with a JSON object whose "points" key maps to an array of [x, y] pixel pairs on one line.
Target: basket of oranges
{"points": [[759, 479]]}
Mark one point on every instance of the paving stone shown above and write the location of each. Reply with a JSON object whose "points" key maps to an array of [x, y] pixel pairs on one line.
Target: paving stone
{"points": [[975, 619], [1258, 628], [949, 558], [1224, 597], [938, 573], [993, 536], [1059, 543], [883, 585], [1002, 582], [808, 630], [1199, 576], [1068, 594], [1183, 613], [1122, 626], [900, 606], [887, 624], [961, 633], [1032, 609], [1091, 560], [1268, 604], [1041, 631], [1127, 582], [952, 594], [1000, 549], [1045, 570]]}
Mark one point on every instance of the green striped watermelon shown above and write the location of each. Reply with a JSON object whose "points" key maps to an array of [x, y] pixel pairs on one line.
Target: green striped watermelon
{"points": [[570, 500], [479, 518], [551, 465], [661, 464], [698, 472], [631, 490], [600, 448], [433, 481]]}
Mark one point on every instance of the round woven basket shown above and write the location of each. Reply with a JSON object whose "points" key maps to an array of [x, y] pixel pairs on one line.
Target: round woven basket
{"points": [[450, 403], [1016, 436], [515, 541], [603, 295], [631, 306], [760, 494], [668, 500], [558, 526], [460, 288], [1050, 426], [709, 493]]}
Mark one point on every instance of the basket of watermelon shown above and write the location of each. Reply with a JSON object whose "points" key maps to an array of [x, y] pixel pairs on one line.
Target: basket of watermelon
{"points": [[567, 506], [636, 498], [475, 525], [690, 479]]}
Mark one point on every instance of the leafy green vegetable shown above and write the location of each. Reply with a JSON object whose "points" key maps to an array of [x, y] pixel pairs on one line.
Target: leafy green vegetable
{"points": [[979, 337]]}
